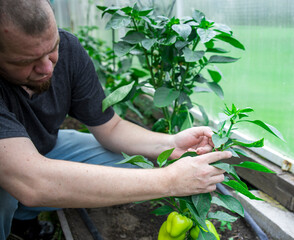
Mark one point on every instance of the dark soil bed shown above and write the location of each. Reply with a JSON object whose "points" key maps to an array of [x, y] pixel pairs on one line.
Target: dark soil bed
{"points": [[134, 222]]}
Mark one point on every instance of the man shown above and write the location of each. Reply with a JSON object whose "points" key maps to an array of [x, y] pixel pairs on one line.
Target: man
{"points": [[45, 74]]}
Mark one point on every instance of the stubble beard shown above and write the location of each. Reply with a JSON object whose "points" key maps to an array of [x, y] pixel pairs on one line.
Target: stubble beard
{"points": [[41, 87]]}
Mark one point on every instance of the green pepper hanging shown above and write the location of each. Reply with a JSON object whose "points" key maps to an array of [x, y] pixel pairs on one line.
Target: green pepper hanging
{"points": [[194, 233], [175, 227]]}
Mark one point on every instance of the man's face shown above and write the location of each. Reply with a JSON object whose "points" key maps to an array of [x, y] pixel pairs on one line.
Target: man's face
{"points": [[29, 60]]}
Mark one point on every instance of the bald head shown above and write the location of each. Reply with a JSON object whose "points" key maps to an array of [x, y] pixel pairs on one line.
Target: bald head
{"points": [[31, 17]]}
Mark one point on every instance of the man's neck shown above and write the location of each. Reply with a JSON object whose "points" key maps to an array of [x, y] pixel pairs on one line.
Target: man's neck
{"points": [[29, 91]]}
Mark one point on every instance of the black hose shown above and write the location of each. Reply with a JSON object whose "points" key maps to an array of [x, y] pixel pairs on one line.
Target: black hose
{"points": [[90, 225], [260, 234]]}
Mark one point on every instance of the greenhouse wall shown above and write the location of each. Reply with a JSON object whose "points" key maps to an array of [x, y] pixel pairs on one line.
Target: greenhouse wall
{"points": [[261, 79]]}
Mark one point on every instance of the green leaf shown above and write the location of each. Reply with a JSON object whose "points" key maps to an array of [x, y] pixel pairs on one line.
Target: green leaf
{"points": [[222, 216], [239, 188], [230, 203], [224, 117], [198, 16], [110, 10], [230, 170], [195, 214], [164, 96], [203, 235], [241, 152], [205, 34], [267, 127], [136, 160], [246, 110], [122, 48], [116, 96], [257, 144], [148, 43], [145, 12], [234, 154], [189, 154], [161, 125], [202, 203], [216, 50], [216, 88], [181, 44], [163, 157], [218, 141], [204, 114], [102, 8], [188, 123], [163, 210], [134, 37], [234, 42], [215, 75], [183, 30], [140, 72], [171, 40], [117, 21], [131, 106], [192, 56], [199, 78], [223, 28], [221, 59], [254, 166], [127, 10]]}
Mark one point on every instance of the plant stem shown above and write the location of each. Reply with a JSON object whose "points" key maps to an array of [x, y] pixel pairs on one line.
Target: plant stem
{"points": [[153, 82], [166, 113], [230, 128], [184, 77]]}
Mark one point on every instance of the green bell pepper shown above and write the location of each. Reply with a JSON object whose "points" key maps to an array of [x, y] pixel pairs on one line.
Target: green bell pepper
{"points": [[175, 227], [194, 233]]}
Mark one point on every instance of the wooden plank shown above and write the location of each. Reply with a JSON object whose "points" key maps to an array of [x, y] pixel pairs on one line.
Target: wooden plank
{"points": [[64, 225], [279, 186]]}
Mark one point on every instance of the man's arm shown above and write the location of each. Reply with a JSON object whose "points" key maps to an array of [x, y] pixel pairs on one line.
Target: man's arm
{"points": [[119, 136], [38, 181]]}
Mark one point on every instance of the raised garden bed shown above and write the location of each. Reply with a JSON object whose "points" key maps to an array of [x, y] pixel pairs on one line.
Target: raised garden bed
{"points": [[134, 221]]}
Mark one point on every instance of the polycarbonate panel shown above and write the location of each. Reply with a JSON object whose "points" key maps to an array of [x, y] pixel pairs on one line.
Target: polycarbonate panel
{"points": [[263, 77]]}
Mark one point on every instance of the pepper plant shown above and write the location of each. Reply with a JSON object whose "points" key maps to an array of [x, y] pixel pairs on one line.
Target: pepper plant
{"points": [[113, 72], [179, 56], [197, 207]]}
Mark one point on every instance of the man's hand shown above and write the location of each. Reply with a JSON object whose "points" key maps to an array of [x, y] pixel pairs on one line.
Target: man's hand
{"points": [[196, 139], [194, 175]]}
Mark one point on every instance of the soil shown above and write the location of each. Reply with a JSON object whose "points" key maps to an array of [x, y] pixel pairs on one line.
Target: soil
{"points": [[135, 222]]}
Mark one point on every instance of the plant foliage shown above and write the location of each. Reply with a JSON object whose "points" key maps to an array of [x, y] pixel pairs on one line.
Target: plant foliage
{"points": [[179, 55]]}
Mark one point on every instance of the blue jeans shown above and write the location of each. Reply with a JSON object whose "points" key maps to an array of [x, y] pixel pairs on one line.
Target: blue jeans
{"points": [[71, 145]]}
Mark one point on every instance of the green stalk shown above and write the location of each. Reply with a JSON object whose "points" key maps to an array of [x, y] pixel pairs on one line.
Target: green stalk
{"points": [[153, 82], [230, 128], [171, 201], [166, 113], [185, 75], [167, 117]]}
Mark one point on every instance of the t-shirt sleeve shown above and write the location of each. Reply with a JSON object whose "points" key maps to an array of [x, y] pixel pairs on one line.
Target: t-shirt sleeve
{"points": [[87, 92], [9, 125]]}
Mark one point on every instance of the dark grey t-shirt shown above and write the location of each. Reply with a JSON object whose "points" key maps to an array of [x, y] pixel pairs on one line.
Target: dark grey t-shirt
{"points": [[75, 90]]}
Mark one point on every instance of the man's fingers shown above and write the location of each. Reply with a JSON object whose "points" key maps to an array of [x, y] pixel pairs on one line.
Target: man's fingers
{"points": [[218, 178], [204, 149], [215, 156], [205, 131]]}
